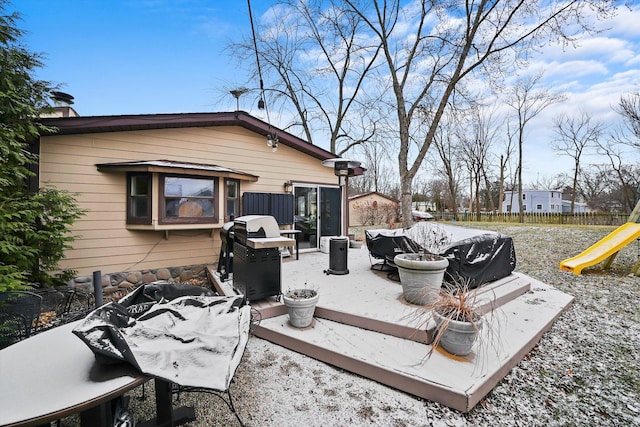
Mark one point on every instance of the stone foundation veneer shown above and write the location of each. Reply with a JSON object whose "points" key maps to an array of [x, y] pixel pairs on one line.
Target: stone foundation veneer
{"points": [[126, 281]]}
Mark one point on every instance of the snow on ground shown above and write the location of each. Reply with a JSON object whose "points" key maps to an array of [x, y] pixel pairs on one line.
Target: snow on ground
{"points": [[584, 371]]}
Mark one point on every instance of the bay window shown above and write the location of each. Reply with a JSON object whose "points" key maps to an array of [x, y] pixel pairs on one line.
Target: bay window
{"points": [[188, 200], [166, 195], [232, 202], [139, 198]]}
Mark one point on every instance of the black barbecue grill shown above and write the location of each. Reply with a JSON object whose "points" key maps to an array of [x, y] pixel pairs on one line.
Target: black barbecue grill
{"points": [[256, 256]]}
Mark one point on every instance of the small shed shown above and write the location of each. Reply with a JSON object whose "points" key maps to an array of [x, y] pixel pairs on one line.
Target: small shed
{"points": [[372, 208]]}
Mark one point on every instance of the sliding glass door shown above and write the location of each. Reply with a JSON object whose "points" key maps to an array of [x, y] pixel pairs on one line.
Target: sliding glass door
{"points": [[330, 211], [306, 215], [316, 207]]}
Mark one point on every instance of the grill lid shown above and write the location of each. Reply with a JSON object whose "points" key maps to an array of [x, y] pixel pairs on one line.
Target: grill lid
{"points": [[250, 226]]}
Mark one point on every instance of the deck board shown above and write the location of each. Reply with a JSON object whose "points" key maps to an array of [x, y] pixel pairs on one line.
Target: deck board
{"points": [[363, 325]]}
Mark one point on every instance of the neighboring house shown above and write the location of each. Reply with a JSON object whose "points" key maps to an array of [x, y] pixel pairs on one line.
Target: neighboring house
{"points": [[577, 207], [158, 188], [533, 201], [372, 208]]}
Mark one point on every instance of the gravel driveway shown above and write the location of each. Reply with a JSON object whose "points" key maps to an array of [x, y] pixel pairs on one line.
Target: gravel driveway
{"points": [[584, 371]]}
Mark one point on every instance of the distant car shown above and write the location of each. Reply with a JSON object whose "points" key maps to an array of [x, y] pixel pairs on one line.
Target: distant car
{"points": [[422, 216]]}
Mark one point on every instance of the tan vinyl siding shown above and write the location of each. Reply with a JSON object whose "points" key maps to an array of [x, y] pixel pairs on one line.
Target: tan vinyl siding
{"points": [[69, 162]]}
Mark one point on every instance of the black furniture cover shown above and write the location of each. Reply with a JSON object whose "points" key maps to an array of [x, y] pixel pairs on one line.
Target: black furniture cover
{"points": [[480, 259], [181, 333], [475, 256]]}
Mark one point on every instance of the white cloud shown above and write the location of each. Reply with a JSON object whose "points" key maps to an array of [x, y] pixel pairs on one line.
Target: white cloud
{"points": [[625, 23], [574, 69]]}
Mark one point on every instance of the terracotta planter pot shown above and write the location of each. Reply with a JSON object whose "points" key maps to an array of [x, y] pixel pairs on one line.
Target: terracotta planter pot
{"points": [[301, 304], [421, 279], [458, 337]]}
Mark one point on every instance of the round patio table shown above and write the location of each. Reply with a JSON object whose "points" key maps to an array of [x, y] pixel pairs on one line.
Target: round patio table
{"points": [[54, 374]]}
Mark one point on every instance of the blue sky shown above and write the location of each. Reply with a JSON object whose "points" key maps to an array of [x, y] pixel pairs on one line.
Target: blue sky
{"points": [[165, 56], [137, 56]]}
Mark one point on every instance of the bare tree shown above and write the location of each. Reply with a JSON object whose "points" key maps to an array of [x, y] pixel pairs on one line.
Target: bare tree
{"points": [[555, 182], [614, 151], [629, 109], [607, 191], [528, 100], [379, 176], [317, 61], [480, 133], [448, 152], [449, 41], [595, 187], [506, 163], [574, 134], [620, 142]]}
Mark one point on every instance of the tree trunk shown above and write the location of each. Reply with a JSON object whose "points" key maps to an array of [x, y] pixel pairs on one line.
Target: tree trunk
{"points": [[487, 184], [454, 197], [405, 198], [520, 204], [575, 185], [501, 196]]}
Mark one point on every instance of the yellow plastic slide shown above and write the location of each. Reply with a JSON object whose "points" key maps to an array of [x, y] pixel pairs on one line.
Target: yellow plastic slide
{"points": [[602, 250]]}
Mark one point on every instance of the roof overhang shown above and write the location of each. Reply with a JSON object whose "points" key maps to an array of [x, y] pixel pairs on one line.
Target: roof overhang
{"points": [[172, 167], [99, 124]]}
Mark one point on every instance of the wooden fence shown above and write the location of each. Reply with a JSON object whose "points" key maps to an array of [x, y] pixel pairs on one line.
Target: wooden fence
{"points": [[585, 218]]}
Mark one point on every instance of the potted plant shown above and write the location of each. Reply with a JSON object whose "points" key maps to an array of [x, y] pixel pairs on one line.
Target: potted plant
{"points": [[458, 319], [421, 276], [301, 305]]}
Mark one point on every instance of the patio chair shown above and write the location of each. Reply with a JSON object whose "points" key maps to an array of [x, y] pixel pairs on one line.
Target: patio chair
{"points": [[19, 314], [78, 304], [223, 395], [66, 303], [385, 244]]}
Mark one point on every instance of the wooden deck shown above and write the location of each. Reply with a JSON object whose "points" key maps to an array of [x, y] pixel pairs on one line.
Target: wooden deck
{"points": [[362, 324]]}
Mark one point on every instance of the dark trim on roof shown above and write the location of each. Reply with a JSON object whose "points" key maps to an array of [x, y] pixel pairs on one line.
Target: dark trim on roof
{"points": [[169, 166], [98, 124]]}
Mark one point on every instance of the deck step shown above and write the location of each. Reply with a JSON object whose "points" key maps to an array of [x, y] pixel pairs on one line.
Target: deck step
{"points": [[363, 324], [458, 382]]}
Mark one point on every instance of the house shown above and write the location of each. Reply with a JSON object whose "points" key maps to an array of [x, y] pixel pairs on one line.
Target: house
{"points": [[533, 201], [158, 188], [372, 208], [577, 207]]}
